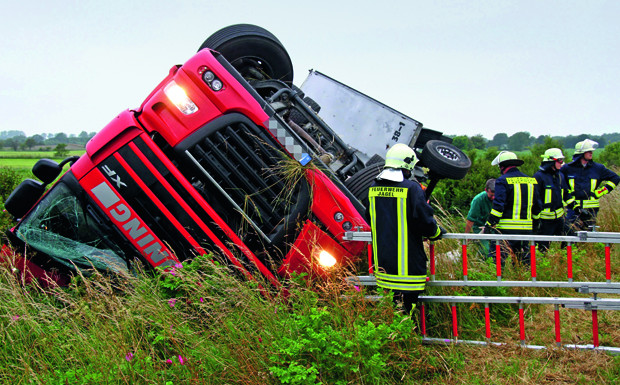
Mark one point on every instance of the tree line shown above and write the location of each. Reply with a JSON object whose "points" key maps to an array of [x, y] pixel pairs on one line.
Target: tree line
{"points": [[17, 140], [523, 140]]}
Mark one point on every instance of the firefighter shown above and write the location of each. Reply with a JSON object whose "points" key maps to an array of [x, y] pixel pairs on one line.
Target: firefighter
{"points": [[555, 195], [400, 217], [588, 181], [515, 206]]}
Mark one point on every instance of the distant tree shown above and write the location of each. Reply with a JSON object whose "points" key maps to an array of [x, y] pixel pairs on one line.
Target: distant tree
{"points": [[610, 156], [1, 144], [61, 137], [38, 139], [60, 151], [12, 143], [540, 139], [499, 140], [519, 141], [30, 142], [478, 142], [462, 142], [548, 142]]}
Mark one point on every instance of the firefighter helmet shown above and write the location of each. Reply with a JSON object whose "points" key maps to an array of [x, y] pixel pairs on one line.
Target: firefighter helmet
{"points": [[400, 156], [585, 146], [506, 158], [552, 154]]}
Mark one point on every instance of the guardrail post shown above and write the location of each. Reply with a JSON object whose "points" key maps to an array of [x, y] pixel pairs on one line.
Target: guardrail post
{"points": [[423, 318], [521, 324], [595, 328], [487, 323], [569, 260], [608, 262], [455, 330], [431, 251], [498, 260], [533, 259], [465, 260], [558, 338], [370, 269]]}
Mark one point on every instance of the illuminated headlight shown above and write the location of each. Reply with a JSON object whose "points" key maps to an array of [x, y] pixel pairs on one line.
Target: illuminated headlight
{"points": [[179, 98], [347, 226], [326, 259], [338, 217]]}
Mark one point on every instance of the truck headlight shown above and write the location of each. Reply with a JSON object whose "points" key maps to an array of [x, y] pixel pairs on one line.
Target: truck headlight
{"points": [[326, 259], [179, 98]]}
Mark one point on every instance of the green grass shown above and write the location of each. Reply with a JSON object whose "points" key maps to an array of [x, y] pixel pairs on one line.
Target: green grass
{"points": [[201, 325], [24, 160], [34, 154]]}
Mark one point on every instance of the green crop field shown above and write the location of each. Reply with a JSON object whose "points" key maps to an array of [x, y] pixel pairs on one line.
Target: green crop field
{"points": [[4, 154], [24, 160]]}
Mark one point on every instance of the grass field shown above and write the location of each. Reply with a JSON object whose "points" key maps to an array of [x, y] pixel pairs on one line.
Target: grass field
{"points": [[24, 160]]}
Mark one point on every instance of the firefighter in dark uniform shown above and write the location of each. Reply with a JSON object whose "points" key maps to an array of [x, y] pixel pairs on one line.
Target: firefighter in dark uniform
{"points": [[588, 181], [515, 206], [555, 195], [400, 218]]}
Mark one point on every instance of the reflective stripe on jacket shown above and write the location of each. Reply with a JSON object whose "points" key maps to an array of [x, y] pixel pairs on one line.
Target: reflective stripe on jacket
{"points": [[553, 191], [516, 202], [400, 218], [583, 180]]}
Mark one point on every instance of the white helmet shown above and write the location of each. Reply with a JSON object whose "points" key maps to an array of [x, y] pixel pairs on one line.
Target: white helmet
{"points": [[552, 154], [398, 157], [585, 146], [506, 158]]}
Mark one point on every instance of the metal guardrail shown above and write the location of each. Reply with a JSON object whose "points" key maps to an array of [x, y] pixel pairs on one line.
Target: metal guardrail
{"points": [[607, 238], [588, 304]]}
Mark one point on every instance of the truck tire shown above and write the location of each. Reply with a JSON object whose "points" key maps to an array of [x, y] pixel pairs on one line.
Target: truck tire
{"points": [[298, 117], [376, 158], [248, 48], [445, 159], [359, 183]]}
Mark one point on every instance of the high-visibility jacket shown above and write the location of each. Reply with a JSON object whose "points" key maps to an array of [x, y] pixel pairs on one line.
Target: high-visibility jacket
{"points": [[553, 191], [584, 181], [516, 203], [400, 218]]}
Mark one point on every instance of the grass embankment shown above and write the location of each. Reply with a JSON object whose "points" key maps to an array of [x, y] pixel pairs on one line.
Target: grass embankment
{"points": [[199, 324], [203, 326]]}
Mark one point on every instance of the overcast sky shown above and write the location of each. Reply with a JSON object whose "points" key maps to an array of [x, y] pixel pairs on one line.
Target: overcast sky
{"points": [[461, 67]]}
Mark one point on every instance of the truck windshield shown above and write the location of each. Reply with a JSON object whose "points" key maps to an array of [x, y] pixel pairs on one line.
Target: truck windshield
{"points": [[62, 227]]}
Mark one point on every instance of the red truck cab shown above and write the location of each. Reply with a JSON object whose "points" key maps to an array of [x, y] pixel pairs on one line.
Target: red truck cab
{"points": [[205, 165]]}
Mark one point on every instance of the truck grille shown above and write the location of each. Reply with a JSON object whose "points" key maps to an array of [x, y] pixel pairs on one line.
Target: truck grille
{"points": [[244, 166]]}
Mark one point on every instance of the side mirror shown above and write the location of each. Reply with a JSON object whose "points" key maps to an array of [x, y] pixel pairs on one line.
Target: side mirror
{"points": [[46, 170], [24, 197]]}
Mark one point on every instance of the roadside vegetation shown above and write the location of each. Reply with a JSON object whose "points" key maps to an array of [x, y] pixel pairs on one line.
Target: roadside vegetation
{"points": [[199, 324]]}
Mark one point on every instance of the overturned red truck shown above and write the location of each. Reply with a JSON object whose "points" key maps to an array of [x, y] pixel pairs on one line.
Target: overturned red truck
{"points": [[215, 160]]}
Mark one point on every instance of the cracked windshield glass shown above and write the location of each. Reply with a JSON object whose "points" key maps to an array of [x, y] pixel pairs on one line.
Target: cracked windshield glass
{"points": [[60, 228]]}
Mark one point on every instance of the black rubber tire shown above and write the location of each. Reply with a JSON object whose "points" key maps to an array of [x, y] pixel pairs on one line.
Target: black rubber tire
{"points": [[298, 117], [359, 183], [376, 158], [247, 45], [445, 160]]}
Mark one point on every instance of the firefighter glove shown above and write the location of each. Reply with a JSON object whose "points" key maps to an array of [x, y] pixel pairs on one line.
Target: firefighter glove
{"points": [[536, 225], [442, 231], [599, 192]]}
